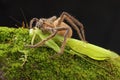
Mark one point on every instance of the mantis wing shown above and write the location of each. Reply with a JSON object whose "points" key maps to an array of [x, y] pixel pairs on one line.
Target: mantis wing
{"points": [[90, 50]]}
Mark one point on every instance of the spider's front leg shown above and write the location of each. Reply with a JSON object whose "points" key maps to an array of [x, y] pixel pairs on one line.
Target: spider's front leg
{"points": [[43, 41], [32, 21]]}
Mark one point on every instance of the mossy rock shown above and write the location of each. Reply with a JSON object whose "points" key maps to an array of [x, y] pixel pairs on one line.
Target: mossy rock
{"points": [[22, 63]]}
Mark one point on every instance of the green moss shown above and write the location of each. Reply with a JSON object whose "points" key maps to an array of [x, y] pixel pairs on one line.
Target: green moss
{"points": [[22, 63]]}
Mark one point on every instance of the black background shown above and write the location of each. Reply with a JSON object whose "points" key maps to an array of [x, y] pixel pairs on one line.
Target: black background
{"points": [[101, 18]]}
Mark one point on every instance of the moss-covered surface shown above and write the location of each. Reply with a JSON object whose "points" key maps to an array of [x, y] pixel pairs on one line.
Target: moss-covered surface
{"points": [[21, 63]]}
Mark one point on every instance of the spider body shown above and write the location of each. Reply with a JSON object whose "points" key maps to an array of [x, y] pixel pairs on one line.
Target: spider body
{"points": [[47, 24], [56, 25]]}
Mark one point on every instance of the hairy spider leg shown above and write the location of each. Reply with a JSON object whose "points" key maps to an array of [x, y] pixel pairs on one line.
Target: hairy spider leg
{"points": [[72, 21], [65, 37], [32, 21], [43, 41]]}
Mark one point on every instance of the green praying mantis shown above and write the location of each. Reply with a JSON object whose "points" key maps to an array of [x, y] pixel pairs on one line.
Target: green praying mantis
{"points": [[77, 47], [44, 27]]}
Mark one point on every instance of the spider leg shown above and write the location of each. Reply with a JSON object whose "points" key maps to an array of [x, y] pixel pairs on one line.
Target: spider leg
{"points": [[64, 41], [65, 37], [43, 41], [72, 21], [32, 21], [53, 18]]}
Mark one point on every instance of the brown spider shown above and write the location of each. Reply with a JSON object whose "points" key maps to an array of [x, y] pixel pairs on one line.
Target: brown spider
{"points": [[57, 26]]}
